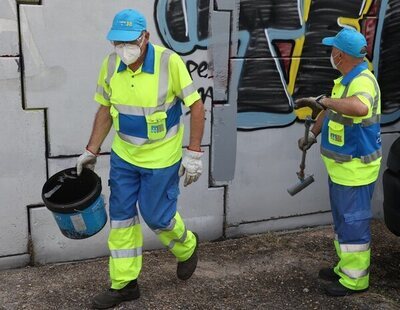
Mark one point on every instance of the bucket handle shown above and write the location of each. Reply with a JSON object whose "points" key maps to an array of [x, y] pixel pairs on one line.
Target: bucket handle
{"points": [[60, 179], [73, 175], [52, 191]]}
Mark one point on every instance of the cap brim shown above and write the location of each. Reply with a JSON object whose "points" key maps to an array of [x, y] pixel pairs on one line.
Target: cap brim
{"points": [[328, 41], [121, 35]]}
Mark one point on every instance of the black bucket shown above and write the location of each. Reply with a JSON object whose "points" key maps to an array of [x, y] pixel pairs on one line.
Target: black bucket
{"points": [[76, 202]]}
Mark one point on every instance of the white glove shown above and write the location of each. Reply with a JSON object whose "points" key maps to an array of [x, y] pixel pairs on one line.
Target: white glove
{"points": [[191, 166], [87, 160], [310, 141]]}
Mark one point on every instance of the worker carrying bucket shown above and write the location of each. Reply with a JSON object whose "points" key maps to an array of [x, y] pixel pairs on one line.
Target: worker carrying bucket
{"points": [[76, 202], [141, 90]]}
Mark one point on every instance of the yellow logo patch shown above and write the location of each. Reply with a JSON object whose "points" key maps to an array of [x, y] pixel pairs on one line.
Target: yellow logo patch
{"points": [[335, 137]]}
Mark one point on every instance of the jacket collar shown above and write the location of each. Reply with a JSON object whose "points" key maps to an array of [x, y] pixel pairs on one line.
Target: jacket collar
{"points": [[354, 72]]}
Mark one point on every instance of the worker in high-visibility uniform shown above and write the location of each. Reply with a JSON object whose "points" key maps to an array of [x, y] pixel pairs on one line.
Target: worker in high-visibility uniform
{"points": [[351, 149], [140, 90]]}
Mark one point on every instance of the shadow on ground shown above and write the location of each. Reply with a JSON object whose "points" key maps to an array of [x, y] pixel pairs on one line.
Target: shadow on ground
{"points": [[268, 271]]}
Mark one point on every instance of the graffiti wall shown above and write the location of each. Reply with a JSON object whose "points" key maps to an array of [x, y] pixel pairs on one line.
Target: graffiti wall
{"points": [[290, 32], [280, 42], [250, 60]]}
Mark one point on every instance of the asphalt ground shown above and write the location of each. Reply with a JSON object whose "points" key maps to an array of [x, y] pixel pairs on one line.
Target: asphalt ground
{"points": [[266, 271]]}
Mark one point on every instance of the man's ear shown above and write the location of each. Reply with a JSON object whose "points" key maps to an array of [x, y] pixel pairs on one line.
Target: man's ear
{"points": [[147, 35]]}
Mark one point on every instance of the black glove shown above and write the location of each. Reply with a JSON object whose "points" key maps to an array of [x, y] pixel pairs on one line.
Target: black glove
{"points": [[314, 103]]}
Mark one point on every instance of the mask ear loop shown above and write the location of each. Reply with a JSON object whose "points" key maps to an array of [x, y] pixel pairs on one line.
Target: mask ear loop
{"points": [[340, 60], [334, 57], [141, 41]]}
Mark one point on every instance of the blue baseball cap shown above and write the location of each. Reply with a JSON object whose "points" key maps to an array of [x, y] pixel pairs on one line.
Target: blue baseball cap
{"points": [[127, 25], [349, 41]]}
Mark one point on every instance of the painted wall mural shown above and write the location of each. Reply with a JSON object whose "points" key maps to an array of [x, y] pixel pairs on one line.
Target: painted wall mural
{"points": [[279, 43]]}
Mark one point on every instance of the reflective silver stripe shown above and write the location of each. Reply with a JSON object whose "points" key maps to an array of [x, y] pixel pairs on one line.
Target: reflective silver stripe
{"points": [[371, 157], [377, 92], [344, 95], [163, 77], [125, 223], [339, 158], [188, 90], [112, 59], [142, 111], [354, 247], [339, 118], [371, 120], [366, 95], [102, 92], [126, 253], [354, 274], [170, 227], [336, 237], [141, 141], [180, 240]]}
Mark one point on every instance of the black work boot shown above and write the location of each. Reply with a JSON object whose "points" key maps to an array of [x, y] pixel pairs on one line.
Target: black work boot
{"points": [[336, 289], [185, 269], [114, 297], [328, 274]]}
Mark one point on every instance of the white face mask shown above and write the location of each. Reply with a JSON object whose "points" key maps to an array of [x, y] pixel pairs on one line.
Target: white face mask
{"points": [[334, 66], [129, 53]]}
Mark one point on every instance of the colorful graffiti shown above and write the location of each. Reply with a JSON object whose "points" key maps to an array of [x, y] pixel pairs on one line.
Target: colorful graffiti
{"points": [[183, 25], [280, 50]]}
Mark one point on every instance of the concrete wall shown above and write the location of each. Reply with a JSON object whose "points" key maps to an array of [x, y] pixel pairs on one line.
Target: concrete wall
{"points": [[249, 59]]}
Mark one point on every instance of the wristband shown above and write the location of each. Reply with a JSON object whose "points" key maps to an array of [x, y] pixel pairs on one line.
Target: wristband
{"points": [[95, 154], [195, 150]]}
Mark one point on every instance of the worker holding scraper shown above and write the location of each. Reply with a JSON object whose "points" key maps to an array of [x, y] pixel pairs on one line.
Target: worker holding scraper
{"points": [[141, 88], [349, 122]]}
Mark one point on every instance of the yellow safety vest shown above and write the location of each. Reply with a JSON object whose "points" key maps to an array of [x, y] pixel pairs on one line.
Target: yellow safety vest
{"points": [[145, 106], [351, 146]]}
